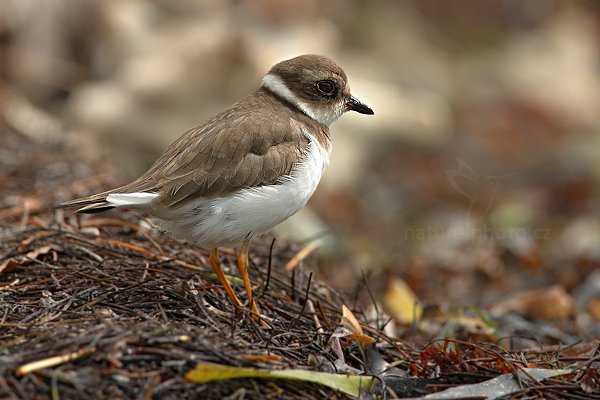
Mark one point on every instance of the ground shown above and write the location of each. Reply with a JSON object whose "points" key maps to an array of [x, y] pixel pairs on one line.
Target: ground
{"points": [[112, 309]]}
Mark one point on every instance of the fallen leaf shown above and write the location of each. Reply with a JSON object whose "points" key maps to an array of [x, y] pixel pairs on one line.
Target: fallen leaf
{"points": [[584, 350], [593, 308], [350, 329], [402, 303], [456, 325], [351, 385], [501, 386], [547, 303], [349, 321], [590, 380], [33, 254], [9, 265], [361, 338]]}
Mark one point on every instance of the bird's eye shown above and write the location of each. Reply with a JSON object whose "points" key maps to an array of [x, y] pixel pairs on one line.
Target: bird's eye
{"points": [[326, 88]]}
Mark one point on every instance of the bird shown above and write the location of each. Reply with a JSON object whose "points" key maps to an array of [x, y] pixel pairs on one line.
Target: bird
{"points": [[245, 170]]}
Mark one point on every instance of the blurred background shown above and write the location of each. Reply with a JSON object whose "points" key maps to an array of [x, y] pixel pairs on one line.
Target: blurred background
{"points": [[478, 173]]}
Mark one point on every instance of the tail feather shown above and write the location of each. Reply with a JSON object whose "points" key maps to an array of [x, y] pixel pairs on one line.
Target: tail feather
{"points": [[108, 200], [89, 205], [95, 208]]}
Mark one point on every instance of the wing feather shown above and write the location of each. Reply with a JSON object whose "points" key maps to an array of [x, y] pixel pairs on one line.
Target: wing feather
{"points": [[218, 159], [237, 148]]}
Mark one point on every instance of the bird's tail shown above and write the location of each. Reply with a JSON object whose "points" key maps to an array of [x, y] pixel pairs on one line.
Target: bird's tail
{"points": [[90, 205], [111, 199]]}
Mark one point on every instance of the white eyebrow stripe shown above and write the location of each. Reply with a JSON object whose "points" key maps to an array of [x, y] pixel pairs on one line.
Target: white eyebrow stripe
{"points": [[275, 84]]}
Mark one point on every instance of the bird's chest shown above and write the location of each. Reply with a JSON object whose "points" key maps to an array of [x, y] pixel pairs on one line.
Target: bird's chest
{"points": [[305, 177], [264, 207]]}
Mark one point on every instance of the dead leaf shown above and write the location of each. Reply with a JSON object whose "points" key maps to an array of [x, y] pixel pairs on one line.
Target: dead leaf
{"points": [[546, 304], [33, 254], [402, 303], [13, 263], [584, 351], [501, 386], [350, 329], [349, 321], [590, 381], [594, 308], [9, 265], [361, 338]]}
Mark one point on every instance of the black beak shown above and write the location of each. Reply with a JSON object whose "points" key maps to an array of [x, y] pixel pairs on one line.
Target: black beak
{"points": [[355, 105]]}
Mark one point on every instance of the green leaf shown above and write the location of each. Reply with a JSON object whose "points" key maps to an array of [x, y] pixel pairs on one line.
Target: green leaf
{"points": [[349, 384]]}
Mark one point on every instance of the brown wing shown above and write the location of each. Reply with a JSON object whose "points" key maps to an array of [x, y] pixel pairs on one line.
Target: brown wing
{"points": [[233, 150]]}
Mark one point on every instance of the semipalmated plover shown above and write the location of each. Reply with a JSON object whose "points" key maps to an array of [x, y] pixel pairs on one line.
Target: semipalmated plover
{"points": [[246, 169]]}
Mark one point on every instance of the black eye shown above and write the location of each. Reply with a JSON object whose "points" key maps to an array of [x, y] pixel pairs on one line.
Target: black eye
{"points": [[326, 88]]}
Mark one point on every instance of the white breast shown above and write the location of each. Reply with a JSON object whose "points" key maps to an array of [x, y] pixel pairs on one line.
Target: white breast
{"points": [[227, 221]]}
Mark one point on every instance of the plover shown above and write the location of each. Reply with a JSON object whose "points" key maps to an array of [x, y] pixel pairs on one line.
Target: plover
{"points": [[246, 169]]}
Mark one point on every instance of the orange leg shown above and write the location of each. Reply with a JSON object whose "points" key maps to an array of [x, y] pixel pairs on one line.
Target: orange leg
{"points": [[243, 267], [215, 264]]}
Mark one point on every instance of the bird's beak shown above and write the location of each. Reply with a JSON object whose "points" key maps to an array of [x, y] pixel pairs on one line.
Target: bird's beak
{"points": [[355, 105]]}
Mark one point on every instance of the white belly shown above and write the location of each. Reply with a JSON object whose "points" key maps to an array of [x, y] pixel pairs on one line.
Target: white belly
{"points": [[227, 221]]}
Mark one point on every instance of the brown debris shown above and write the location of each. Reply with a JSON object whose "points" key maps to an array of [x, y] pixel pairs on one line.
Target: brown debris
{"points": [[117, 312], [547, 303]]}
